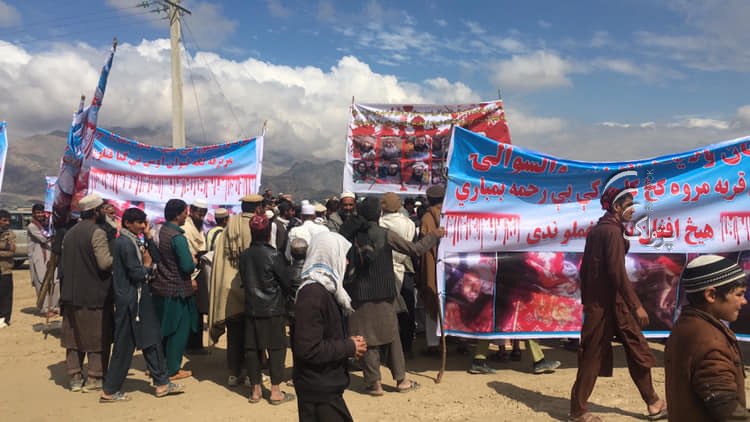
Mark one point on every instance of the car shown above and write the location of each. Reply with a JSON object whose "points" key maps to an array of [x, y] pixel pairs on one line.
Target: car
{"points": [[19, 220]]}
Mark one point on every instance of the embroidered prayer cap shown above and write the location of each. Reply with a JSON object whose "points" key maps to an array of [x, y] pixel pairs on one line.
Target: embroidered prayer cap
{"points": [[259, 223], [252, 198], [710, 271], [308, 209], [221, 213], [390, 202], [199, 203], [348, 195], [436, 191], [89, 202]]}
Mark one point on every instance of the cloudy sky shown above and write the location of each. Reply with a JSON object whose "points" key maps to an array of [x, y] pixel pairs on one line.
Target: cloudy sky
{"points": [[590, 80]]}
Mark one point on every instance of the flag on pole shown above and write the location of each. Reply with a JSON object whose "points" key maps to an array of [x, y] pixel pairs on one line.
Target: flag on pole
{"points": [[3, 150], [72, 182]]}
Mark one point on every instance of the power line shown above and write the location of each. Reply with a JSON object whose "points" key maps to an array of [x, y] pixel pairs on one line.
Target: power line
{"points": [[213, 77], [79, 18], [66, 35]]}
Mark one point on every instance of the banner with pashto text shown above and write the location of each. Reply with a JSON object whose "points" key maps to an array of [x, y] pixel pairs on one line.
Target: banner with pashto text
{"points": [[516, 222], [129, 173]]}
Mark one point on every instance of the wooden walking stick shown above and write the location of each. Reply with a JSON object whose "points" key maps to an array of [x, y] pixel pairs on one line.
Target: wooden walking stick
{"points": [[442, 340]]}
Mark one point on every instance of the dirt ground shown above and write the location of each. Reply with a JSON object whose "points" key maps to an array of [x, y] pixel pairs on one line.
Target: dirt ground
{"points": [[33, 386]]}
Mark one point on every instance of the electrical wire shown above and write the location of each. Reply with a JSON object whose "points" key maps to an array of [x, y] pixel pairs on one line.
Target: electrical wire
{"points": [[213, 77], [195, 94], [65, 22]]}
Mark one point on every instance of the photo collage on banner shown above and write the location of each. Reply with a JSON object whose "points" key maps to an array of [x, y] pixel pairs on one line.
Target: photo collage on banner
{"points": [[403, 148], [516, 224]]}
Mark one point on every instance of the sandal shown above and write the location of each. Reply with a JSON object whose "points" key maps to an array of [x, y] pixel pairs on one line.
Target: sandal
{"points": [[586, 417], [115, 398], [413, 386], [287, 397], [254, 400], [374, 391], [661, 414], [172, 388]]}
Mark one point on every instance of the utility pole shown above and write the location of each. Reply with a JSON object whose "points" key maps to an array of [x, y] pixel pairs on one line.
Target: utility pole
{"points": [[175, 36]]}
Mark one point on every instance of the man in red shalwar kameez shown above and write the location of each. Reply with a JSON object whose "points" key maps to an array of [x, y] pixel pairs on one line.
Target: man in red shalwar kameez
{"points": [[611, 309]]}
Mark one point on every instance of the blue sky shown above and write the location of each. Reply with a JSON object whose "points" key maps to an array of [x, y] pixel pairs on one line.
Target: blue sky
{"points": [[576, 77]]}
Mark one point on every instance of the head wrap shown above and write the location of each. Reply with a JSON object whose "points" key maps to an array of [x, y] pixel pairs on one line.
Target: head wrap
{"points": [[326, 264], [89, 202], [710, 271], [259, 226], [199, 203], [390, 202]]}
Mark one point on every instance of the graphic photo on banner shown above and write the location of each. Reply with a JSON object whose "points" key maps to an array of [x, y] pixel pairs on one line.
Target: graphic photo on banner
{"points": [[403, 148], [534, 211]]}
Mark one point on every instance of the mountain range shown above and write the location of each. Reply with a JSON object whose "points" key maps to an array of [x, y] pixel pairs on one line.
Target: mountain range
{"points": [[32, 158]]}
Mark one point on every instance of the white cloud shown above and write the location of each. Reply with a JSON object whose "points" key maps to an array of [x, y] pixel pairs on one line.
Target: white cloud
{"points": [[600, 39], [523, 124], [615, 124], [9, 15], [307, 107], [743, 115], [647, 125], [702, 123], [543, 24], [277, 9], [441, 23], [475, 28], [537, 70]]}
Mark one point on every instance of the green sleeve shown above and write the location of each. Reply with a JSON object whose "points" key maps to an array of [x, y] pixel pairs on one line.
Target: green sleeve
{"points": [[182, 251]]}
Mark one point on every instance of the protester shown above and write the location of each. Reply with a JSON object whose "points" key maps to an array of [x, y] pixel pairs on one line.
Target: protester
{"points": [[265, 277], [40, 245], [227, 311], [7, 252], [86, 296], [173, 288], [372, 287], [298, 249], [346, 209], [307, 229], [611, 308], [221, 216], [193, 228], [427, 275], [319, 343], [136, 322], [705, 377], [109, 223], [403, 268]]}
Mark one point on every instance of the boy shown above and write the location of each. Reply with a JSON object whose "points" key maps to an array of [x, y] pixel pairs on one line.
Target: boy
{"points": [[703, 365]]}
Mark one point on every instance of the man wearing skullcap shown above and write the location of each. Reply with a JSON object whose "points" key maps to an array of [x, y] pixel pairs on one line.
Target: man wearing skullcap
{"points": [[265, 277], [611, 309], [87, 297], [705, 377], [227, 296], [308, 228], [221, 216], [193, 228], [427, 275], [346, 209]]}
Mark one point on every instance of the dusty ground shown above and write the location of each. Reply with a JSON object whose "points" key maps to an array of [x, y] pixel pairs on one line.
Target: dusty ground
{"points": [[33, 386]]}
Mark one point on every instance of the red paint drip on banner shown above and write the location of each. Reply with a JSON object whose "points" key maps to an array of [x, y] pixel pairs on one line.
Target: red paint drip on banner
{"points": [[477, 227], [735, 226]]}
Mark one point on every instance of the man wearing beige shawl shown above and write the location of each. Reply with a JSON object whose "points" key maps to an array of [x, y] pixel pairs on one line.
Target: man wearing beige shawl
{"points": [[227, 295], [197, 243]]}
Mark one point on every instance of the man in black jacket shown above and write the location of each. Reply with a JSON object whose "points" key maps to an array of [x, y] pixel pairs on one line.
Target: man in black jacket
{"points": [[265, 277], [319, 343]]}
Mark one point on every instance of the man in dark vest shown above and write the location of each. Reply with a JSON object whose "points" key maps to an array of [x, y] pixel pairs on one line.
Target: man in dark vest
{"points": [[86, 297], [174, 291], [372, 288]]}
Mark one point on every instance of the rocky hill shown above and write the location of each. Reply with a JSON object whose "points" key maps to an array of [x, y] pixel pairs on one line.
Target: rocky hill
{"points": [[31, 159]]}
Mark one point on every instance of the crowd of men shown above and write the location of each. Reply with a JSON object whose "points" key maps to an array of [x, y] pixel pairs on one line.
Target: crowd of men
{"points": [[343, 280]]}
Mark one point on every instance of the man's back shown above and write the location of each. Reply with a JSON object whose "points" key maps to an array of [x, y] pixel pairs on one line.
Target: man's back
{"points": [[87, 279]]}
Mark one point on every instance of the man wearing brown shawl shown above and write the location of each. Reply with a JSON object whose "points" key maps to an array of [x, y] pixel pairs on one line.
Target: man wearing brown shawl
{"points": [[611, 308], [427, 275], [227, 295]]}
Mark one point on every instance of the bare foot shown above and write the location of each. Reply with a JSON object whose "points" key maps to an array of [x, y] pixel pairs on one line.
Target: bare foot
{"points": [[657, 409]]}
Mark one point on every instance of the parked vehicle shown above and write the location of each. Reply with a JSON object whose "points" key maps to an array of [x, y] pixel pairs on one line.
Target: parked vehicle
{"points": [[19, 220]]}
